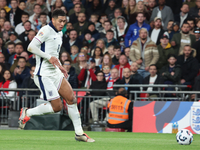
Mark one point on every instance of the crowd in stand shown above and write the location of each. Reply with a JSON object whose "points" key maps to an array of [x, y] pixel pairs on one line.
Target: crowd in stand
{"points": [[105, 42]]}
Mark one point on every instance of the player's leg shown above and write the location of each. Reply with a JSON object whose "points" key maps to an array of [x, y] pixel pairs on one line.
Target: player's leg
{"points": [[67, 93], [48, 93]]}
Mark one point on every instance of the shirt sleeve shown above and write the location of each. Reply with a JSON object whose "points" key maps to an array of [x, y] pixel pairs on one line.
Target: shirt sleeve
{"points": [[42, 35]]}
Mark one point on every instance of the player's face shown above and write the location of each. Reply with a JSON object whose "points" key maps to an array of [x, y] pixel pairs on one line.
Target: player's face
{"points": [[59, 22]]}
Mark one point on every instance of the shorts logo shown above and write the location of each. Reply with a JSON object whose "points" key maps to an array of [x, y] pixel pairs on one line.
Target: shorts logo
{"points": [[41, 34], [50, 93]]}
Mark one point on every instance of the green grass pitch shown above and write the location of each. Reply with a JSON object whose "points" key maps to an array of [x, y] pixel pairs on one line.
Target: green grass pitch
{"points": [[64, 140]]}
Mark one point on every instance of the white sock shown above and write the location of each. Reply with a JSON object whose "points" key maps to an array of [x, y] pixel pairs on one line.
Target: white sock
{"points": [[75, 117], [42, 109]]}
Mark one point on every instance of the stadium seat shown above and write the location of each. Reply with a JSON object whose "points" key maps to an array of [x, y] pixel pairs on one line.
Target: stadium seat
{"points": [[114, 130]]}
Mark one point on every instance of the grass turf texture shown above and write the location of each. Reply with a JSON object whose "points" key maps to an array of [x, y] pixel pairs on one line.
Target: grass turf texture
{"points": [[62, 140]]}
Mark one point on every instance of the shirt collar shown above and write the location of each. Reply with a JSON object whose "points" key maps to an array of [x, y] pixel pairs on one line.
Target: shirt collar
{"points": [[51, 25]]}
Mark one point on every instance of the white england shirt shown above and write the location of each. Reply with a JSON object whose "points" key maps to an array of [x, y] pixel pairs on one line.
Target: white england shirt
{"points": [[51, 41]]}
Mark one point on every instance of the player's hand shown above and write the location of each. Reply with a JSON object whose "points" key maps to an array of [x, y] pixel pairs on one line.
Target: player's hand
{"points": [[54, 61], [63, 71]]}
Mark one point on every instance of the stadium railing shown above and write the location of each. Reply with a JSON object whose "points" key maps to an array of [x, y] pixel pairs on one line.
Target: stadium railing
{"points": [[15, 102]]}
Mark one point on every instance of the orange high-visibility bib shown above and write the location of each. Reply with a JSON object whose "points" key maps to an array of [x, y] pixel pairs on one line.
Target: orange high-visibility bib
{"points": [[118, 110]]}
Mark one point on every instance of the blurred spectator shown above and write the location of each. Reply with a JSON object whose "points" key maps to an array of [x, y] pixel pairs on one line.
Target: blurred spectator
{"points": [[191, 3], [183, 15], [87, 74], [42, 5], [30, 6], [34, 19], [128, 80], [3, 14], [151, 6], [197, 43], [81, 25], [21, 71], [69, 27], [164, 12], [95, 105], [171, 72], [140, 8], [74, 52], [28, 82], [130, 9], [4, 50], [189, 66], [134, 73], [81, 62], [22, 5], [133, 31], [107, 61], [100, 83], [125, 5], [156, 33], [91, 28], [3, 4], [127, 53], [106, 26], [2, 70], [18, 50], [100, 43], [196, 32], [72, 40], [123, 63], [110, 40], [94, 19], [24, 35], [64, 56], [192, 24], [10, 50], [164, 49], [121, 30], [72, 76], [117, 53], [15, 13], [179, 40], [74, 17], [96, 8], [102, 19], [23, 54], [20, 27], [71, 11], [152, 79], [117, 13], [110, 9], [5, 33], [106, 70], [13, 37], [2, 60], [170, 29], [111, 51], [8, 82], [43, 19], [88, 39], [31, 35], [144, 52], [194, 11], [118, 118], [2, 21], [98, 56]]}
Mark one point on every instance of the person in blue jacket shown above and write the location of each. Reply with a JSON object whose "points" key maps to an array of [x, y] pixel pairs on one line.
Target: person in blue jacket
{"points": [[133, 31]]}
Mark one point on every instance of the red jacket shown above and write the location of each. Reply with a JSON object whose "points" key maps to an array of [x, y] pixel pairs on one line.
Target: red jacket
{"points": [[122, 68]]}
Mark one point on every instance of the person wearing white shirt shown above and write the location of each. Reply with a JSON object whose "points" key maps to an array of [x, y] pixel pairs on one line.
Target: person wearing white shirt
{"points": [[19, 29], [34, 19]]}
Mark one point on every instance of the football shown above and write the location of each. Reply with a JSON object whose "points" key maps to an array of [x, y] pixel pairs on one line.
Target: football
{"points": [[184, 137]]}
